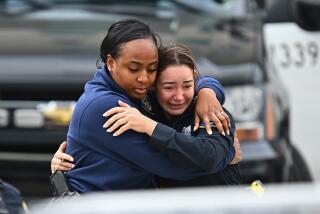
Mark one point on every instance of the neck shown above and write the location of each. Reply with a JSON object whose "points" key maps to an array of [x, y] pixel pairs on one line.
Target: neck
{"points": [[168, 116]]}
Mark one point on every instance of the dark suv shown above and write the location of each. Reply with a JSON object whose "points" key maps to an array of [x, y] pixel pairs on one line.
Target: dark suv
{"points": [[49, 48]]}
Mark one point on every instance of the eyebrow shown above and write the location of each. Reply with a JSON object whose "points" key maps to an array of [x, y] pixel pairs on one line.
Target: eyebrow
{"points": [[139, 63], [172, 82]]}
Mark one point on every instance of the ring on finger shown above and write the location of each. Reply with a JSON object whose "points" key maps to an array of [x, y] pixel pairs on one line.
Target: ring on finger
{"points": [[220, 113]]}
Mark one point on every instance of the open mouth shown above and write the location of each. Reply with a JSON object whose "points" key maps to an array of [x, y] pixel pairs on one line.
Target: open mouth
{"points": [[176, 106]]}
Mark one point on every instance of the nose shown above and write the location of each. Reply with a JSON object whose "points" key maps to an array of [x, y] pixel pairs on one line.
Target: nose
{"points": [[143, 76], [178, 96]]}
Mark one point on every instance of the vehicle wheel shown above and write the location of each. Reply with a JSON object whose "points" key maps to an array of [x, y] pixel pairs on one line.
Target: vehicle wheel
{"points": [[299, 171]]}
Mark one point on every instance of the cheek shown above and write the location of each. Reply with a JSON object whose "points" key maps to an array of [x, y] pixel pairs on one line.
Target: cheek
{"points": [[189, 94], [163, 97], [117, 72], [152, 77]]}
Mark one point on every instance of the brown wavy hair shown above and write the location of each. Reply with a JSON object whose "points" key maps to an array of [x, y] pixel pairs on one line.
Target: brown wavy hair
{"points": [[176, 54]]}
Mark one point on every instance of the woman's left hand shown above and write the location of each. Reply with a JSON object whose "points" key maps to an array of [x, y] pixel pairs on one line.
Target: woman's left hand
{"points": [[125, 118], [61, 161], [208, 109]]}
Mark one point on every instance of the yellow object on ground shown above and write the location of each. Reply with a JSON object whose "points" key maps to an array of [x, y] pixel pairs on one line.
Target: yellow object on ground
{"points": [[257, 187]]}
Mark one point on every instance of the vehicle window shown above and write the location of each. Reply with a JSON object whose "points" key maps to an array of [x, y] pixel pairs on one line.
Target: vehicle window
{"points": [[104, 2]]}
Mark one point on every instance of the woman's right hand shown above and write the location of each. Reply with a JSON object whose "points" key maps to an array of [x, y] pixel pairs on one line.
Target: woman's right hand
{"points": [[61, 161]]}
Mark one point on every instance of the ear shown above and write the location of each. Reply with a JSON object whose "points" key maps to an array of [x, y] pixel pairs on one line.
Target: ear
{"points": [[111, 63]]}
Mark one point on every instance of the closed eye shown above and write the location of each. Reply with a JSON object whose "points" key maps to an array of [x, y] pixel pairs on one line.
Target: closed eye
{"points": [[133, 69], [152, 70], [168, 88], [188, 86]]}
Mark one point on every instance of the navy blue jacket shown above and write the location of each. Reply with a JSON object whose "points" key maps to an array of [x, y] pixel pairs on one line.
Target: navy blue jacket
{"points": [[104, 162]]}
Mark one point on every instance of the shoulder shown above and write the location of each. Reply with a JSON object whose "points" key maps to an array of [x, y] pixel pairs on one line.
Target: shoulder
{"points": [[107, 101], [90, 107]]}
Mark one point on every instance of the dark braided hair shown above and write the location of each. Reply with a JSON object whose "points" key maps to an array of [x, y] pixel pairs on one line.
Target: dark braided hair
{"points": [[122, 32]]}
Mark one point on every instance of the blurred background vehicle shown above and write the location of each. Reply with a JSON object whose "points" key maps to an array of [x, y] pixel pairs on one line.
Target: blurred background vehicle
{"points": [[294, 52], [49, 48]]}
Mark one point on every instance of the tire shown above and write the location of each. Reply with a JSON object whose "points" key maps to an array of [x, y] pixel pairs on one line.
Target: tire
{"points": [[299, 171]]}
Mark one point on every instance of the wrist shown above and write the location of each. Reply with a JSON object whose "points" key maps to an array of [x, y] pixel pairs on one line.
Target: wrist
{"points": [[207, 91], [149, 126]]}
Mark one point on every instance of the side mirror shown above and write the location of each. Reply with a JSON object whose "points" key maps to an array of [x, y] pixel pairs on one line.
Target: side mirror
{"points": [[306, 13]]}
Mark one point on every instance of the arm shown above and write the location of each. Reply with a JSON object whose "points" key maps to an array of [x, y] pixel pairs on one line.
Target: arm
{"points": [[207, 152], [131, 147], [213, 84], [178, 148]]}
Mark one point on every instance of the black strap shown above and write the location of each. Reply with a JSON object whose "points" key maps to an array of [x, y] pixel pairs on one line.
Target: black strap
{"points": [[60, 185]]}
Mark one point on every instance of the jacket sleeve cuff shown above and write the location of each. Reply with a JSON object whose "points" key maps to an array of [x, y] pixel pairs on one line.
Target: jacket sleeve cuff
{"points": [[213, 84], [161, 135]]}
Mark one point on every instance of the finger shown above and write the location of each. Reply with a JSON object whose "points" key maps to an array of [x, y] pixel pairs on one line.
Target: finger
{"points": [[224, 123], [238, 153], [207, 125], [59, 162], [117, 124], [226, 116], [228, 119], [236, 144], [234, 161], [114, 110], [53, 169], [196, 122], [236, 140], [113, 119], [238, 148], [58, 156], [63, 146], [122, 129], [66, 157], [66, 164], [61, 168], [55, 161], [123, 104], [218, 124]]}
